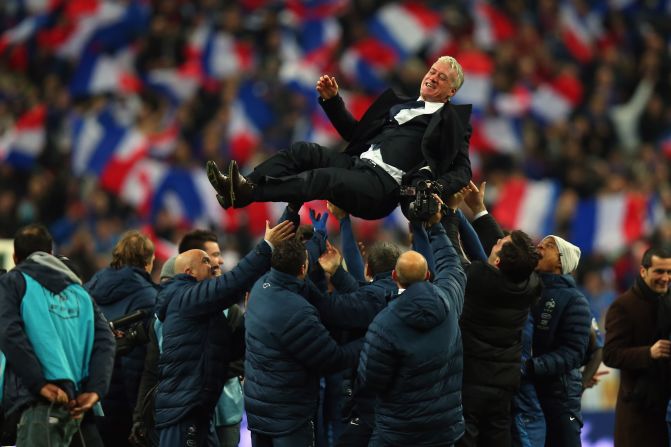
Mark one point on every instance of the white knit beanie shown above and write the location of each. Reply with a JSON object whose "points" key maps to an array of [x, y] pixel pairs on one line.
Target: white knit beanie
{"points": [[569, 254]]}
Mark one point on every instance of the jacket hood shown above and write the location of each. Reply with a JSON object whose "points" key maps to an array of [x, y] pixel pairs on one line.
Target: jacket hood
{"points": [[167, 291], [111, 285], [49, 271], [420, 306]]}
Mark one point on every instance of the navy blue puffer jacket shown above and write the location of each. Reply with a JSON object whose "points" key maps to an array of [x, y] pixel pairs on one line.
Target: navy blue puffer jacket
{"points": [[413, 359], [288, 349], [119, 292], [196, 337]]}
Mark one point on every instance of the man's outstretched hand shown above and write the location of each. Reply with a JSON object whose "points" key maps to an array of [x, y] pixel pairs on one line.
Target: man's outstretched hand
{"points": [[327, 87], [280, 232]]}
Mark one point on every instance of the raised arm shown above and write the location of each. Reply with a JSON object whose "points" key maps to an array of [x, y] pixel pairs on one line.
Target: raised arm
{"points": [[350, 250], [334, 107]]}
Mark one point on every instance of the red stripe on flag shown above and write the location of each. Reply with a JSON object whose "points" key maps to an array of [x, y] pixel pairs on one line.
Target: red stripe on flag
{"points": [[507, 208], [634, 216]]}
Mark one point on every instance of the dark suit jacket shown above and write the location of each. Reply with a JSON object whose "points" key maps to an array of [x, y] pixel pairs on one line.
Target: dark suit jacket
{"points": [[444, 146]]}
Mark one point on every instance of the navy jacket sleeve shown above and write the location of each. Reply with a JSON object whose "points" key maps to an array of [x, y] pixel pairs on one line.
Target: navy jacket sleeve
{"points": [[420, 243], [571, 340], [102, 355], [309, 342], [350, 250], [378, 360], [14, 342], [340, 117], [215, 295], [450, 276], [469, 239], [450, 222], [350, 310], [344, 282]]}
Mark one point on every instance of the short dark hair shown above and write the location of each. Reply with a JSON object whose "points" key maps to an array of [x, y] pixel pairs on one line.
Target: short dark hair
{"points": [[660, 252], [382, 257], [195, 240], [518, 257], [288, 256], [32, 238], [134, 249]]}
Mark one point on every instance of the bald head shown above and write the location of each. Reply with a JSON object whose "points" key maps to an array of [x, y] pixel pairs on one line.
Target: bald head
{"points": [[195, 263], [411, 267]]}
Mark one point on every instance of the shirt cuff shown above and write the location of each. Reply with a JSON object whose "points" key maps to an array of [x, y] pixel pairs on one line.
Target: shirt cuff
{"points": [[480, 214], [269, 244]]}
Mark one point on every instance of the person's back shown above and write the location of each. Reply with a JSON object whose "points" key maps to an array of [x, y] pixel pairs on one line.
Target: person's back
{"points": [[412, 355], [287, 348], [58, 347]]}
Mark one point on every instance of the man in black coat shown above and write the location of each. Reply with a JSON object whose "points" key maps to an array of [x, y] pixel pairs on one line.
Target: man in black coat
{"points": [[398, 141], [499, 294]]}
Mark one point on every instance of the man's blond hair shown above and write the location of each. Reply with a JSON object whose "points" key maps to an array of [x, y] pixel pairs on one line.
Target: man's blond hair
{"points": [[456, 67]]}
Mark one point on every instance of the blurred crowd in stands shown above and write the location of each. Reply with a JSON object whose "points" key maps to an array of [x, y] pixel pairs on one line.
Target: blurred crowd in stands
{"points": [[572, 91]]}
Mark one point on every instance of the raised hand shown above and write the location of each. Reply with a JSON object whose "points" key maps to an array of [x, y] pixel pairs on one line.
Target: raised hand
{"points": [[439, 214], [319, 221], [331, 259], [280, 232], [475, 197], [327, 87]]}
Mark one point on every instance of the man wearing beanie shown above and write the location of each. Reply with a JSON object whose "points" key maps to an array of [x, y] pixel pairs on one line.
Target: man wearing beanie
{"points": [[562, 321], [637, 343]]}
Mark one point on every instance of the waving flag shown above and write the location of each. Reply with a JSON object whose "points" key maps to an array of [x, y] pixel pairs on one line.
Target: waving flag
{"points": [[496, 134], [580, 32], [24, 142], [405, 27], [528, 206], [606, 224], [102, 73], [554, 101], [23, 31], [367, 63], [491, 25], [477, 88]]}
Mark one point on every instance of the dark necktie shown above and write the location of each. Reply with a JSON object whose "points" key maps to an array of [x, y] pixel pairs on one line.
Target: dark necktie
{"points": [[404, 105]]}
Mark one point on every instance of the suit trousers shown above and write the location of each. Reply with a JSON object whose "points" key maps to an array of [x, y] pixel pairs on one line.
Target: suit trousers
{"points": [[308, 171]]}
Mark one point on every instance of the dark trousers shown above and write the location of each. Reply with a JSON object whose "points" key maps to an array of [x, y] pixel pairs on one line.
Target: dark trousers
{"points": [[563, 422], [308, 171], [303, 437], [487, 416], [191, 431], [355, 434]]}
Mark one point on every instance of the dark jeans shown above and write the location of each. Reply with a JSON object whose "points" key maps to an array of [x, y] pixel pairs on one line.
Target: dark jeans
{"points": [[303, 437], [308, 171], [355, 434], [88, 435], [487, 416]]}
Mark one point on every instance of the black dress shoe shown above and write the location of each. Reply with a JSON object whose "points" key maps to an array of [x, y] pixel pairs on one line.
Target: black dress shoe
{"points": [[242, 190], [221, 184]]}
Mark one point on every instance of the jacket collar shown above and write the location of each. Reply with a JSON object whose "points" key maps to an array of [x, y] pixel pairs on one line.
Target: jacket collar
{"points": [[290, 282], [557, 281]]}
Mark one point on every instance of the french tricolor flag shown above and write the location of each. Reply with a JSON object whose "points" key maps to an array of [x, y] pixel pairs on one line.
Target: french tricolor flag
{"points": [[515, 103], [94, 141], [608, 223], [477, 88], [554, 101], [405, 27], [102, 73], [22, 144], [579, 33], [367, 63], [528, 206], [243, 134], [140, 184], [23, 31], [177, 84], [491, 25], [497, 134], [223, 56]]}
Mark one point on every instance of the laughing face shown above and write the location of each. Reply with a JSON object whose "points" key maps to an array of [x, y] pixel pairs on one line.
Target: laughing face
{"points": [[658, 275], [438, 83]]}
